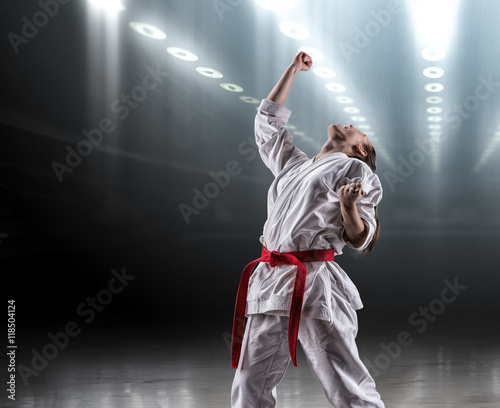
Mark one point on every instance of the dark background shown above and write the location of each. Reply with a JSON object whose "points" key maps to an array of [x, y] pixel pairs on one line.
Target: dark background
{"points": [[120, 207]]}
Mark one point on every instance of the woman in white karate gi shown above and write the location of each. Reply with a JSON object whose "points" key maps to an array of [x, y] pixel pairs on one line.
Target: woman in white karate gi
{"points": [[321, 203]]}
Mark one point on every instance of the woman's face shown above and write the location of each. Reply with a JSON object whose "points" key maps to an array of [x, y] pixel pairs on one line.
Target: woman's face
{"points": [[346, 136]]}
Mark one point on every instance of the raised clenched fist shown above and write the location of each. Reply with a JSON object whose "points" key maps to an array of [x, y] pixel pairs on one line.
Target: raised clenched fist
{"points": [[350, 193], [302, 61]]}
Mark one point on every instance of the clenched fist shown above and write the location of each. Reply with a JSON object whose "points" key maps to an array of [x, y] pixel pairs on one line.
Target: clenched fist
{"points": [[302, 61], [350, 193]]}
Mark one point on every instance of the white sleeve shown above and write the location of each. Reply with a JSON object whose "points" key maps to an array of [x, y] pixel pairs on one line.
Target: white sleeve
{"points": [[275, 143], [372, 189]]}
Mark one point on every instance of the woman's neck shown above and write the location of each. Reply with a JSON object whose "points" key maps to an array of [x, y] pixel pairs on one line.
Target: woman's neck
{"points": [[326, 150]]}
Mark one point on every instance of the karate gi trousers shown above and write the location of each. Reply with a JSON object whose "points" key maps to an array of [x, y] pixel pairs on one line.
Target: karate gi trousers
{"points": [[330, 350]]}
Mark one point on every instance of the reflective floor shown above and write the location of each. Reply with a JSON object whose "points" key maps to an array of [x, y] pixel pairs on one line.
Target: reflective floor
{"points": [[185, 365]]}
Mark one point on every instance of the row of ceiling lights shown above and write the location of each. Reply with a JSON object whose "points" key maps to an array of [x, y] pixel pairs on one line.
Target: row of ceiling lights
{"points": [[155, 33], [434, 54]]}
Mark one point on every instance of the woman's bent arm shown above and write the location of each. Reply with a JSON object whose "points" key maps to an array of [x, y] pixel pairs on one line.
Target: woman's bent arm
{"points": [[355, 229]]}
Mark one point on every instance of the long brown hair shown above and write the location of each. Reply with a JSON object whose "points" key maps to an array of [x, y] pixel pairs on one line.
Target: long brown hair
{"points": [[371, 160]]}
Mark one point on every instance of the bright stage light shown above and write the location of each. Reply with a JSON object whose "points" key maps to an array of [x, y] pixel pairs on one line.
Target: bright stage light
{"points": [[276, 5], [433, 72], [148, 30], [434, 127], [434, 87], [433, 54], [358, 118], [231, 87], [108, 5], [315, 54], [335, 87], [434, 110], [209, 72], [182, 54], [434, 99], [434, 20], [344, 99], [351, 109], [435, 118], [249, 99], [294, 30], [324, 72]]}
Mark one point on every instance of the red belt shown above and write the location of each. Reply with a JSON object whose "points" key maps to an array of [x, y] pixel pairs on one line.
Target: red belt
{"points": [[275, 258]]}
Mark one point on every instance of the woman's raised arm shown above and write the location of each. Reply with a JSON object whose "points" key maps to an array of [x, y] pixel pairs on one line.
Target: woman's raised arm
{"points": [[301, 62]]}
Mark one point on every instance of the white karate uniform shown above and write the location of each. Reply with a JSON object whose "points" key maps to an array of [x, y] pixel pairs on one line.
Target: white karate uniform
{"points": [[304, 214]]}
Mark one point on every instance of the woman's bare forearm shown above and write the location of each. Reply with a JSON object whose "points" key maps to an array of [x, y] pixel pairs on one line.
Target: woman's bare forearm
{"points": [[281, 89], [355, 229]]}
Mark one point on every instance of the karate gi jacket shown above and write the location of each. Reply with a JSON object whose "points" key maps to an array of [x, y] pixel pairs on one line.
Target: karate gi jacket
{"points": [[304, 214]]}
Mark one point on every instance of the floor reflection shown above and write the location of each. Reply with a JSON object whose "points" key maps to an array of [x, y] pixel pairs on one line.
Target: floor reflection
{"points": [[444, 368]]}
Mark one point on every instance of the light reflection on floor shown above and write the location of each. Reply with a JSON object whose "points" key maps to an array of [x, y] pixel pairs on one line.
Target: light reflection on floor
{"points": [[167, 370]]}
